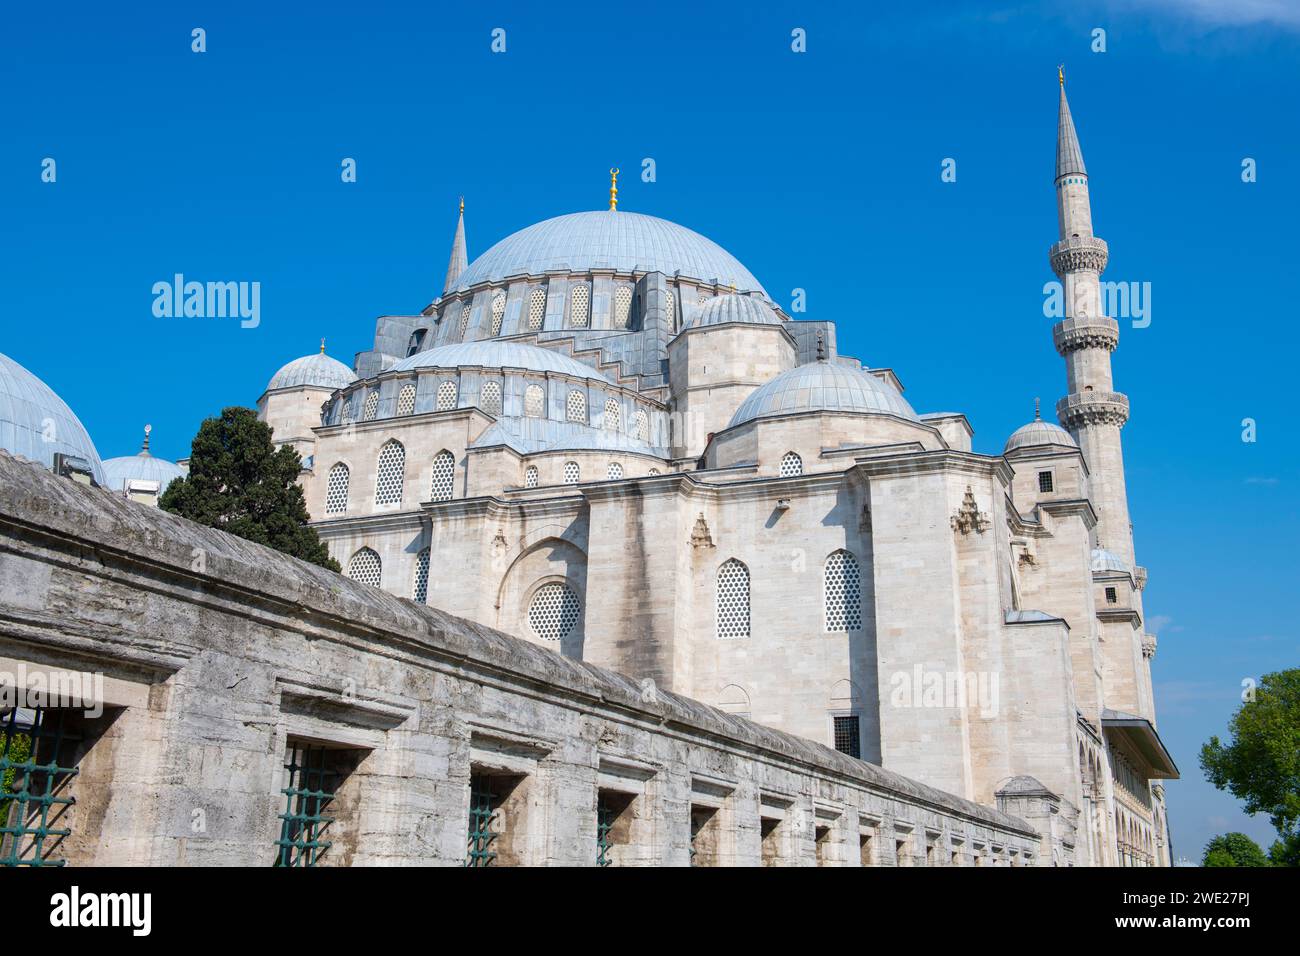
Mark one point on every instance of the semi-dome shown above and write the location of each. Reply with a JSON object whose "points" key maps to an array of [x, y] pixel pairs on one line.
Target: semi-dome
{"points": [[35, 423], [317, 370], [1103, 560], [822, 386], [722, 309], [140, 467], [1039, 432], [622, 241], [496, 353]]}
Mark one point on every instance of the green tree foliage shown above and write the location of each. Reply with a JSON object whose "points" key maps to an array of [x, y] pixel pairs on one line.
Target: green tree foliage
{"points": [[239, 482], [1233, 849]]}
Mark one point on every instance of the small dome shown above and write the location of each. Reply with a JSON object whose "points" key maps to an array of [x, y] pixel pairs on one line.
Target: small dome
{"points": [[495, 353], [35, 423], [317, 371], [140, 467], [732, 307], [1039, 432], [823, 386], [1103, 560]]}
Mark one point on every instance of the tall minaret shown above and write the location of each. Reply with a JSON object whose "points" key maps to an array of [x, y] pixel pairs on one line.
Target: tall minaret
{"points": [[459, 261], [1092, 411]]}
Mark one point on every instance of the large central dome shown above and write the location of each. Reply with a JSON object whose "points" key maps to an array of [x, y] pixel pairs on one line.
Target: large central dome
{"points": [[622, 241]]}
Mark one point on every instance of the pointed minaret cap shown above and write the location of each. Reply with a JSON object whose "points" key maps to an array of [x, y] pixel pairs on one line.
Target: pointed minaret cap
{"points": [[1069, 157], [459, 261]]}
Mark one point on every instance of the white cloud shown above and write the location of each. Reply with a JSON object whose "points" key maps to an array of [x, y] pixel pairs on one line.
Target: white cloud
{"points": [[1284, 13]]}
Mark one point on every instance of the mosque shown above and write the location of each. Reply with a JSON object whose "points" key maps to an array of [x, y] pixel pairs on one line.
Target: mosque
{"points": [[606, 438]]}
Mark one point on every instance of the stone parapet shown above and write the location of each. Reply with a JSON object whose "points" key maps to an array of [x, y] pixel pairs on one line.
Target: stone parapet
{"points": [[1085, 332], [1092, 408], [1079, 254]]}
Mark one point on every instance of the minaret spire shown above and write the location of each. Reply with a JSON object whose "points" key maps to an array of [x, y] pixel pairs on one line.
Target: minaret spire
{"points": [[459, 260]]}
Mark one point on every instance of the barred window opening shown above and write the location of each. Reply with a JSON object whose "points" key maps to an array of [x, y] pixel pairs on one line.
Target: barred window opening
{"points": [[446, 396], [536, 308], [490, 398], [579, 300], [530, 476], [534, 401], [614, 472], [498, 311], [464, 315], [420, 589], [641, 425], [670, 309], [613, 415], [390, 474], [848, 735], [444, 469], [336, 489], [365, 567], [553, 612], [791, 465], [623, 307], [843, 588], [571, 473], [576, 406], [310, 786], [733, 600], [37, 767], [372, 407], [406, 400], [345, 416]]}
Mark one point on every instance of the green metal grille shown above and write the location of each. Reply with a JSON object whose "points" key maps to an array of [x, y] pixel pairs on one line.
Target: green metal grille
{"points": [[310, 790], [479, 851], [697, 824], [33, 786], [604, 825]]}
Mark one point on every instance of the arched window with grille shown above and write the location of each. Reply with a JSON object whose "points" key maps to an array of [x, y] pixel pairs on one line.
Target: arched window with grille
{"points": [[498, 312], [613, 415], [530, 476], [390, 473], [843, 590], [670, 308], [579, 307], [571, 473], [372, 407], [614, 472], [446, 396], [536, 308], [553, 612], [575, 407], [406, 399], [791, 465], [490, 398], [345, 416], [733, 600], [444, 473], [336, 489], [420, 587], [365, 568], [641, 425], [465, 310], [653, 471], [623, 307], [534, 401]]}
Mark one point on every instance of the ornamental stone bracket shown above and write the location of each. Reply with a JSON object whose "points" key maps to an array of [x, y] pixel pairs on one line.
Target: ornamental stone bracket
{"points": [[700, 537], [1148, 646], [968, 517], [1092, 408], [1079, 254], [1085, 332]]}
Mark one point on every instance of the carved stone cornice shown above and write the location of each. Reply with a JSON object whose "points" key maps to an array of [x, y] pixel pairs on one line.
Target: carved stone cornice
{"points": [[1092, 408], [1079, 254], [1085, 332]]}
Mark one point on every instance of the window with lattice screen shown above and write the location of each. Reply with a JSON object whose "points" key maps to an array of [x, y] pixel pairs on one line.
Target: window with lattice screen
{"points": [[498, 312], [536, 308], [336, 489], [365, 567], [580, 307], [641, 425], [446, 396], [390, 473], [791, 465], [530, 476], [490, 398], [571, 473], [733, 600], [614, 472], [575, 406], [406, 399], [623, 307], [464, 315], [534, 401], [670, 308], [420, 587], [553, 612], [444, 472], [703, 295], [371, 408], [653, 471], [843, 589], [613, 415], [345, 416]]}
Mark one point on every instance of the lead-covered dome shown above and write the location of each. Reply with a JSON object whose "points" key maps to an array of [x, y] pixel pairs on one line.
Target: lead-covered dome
{"points": [[823, 386], [317, 371], [495, 353], [724, 309], [35, 423], [1039, 432], [1103, 560], [141, 467], [624, 242]]}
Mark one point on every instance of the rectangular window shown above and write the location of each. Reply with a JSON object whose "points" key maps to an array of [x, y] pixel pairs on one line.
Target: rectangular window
{"points": [[822, 842], [704, 835], [308, 825], [37, 766], [1111, 596], [903, 852], [770, 832], [866, 849], [847, 736], [1044, 481], [495, 834], [613, 824]]}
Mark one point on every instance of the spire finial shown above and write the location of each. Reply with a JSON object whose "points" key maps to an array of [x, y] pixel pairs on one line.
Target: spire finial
{"points": [[322, 346], [1060, 73], [144, 448], [613, 189], [821, 348], [1037, 416], [462, 205]]}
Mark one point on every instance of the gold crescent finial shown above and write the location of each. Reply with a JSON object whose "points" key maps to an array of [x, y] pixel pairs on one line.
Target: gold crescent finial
{"points": [[322, 346], [1060, 73], [462, 205], [613, 189]]}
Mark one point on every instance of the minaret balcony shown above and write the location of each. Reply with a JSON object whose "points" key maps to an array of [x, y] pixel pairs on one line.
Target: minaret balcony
{"points": [[1092, 408], [1079, 254], [1085, 332]]}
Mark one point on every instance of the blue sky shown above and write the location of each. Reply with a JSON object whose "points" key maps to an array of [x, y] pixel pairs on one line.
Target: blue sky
{"points": [[819, 171]]}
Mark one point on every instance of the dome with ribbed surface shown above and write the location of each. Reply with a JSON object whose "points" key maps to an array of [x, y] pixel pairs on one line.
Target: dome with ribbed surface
{"points": [[823, 386], [1039, 432], [495, 353], [722, 309], [317, 371], [141, 467], [35, 423], [625, 242]]}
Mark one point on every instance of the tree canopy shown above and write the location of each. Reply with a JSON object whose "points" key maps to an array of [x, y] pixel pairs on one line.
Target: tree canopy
{"points": [[1233, 849]]}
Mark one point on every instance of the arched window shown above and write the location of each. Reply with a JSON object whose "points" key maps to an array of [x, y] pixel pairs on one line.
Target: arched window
{"points": [[530, 476], [406, 399], [446, 396], [490, 398], [498, 311], [614, 472], [843, 588], [576, 406], [791, 465], [623, 307], [536, 308], [553, 612], [579, 299], [464, 315], [420, 587], [613, 415], [372, 407], [534, 401], [444, 470], [571, 473], [641, 425], [345, 416], [364, 567], [336, 489], [390, 473], [653, 471], [733, 600]]}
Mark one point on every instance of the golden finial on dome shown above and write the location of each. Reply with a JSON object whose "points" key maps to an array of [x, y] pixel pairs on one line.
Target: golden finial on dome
{"points": [[322, 346], [1060, 73], [613, 189], [144, 449], [462, 205]]}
